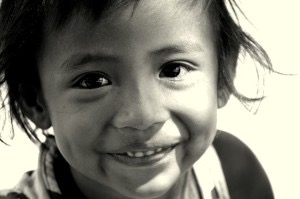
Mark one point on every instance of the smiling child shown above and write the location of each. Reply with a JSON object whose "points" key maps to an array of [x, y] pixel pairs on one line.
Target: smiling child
{"points": [[131, 90]]}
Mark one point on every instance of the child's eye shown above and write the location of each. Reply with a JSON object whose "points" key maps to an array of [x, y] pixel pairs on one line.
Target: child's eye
{"points": [[91, 81], [174, 70]]}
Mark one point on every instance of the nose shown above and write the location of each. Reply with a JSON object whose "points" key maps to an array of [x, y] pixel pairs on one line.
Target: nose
{"points": [[140, 108]]}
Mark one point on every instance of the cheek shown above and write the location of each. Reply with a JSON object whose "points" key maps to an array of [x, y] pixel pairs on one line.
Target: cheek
{"points": [[201, 127], [197, 111], [79, 127], [70, 134], [75, 136], [197, 107], [76, 129]]}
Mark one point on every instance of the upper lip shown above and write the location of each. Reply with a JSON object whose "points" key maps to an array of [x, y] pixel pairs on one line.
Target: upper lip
{"points": [[141, 147]]}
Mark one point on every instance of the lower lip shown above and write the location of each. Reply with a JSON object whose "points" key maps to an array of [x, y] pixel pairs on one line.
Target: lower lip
{"points": [[143, 161]]}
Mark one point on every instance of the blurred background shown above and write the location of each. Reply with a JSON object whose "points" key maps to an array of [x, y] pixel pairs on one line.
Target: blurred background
{"points": [[273, 132]]}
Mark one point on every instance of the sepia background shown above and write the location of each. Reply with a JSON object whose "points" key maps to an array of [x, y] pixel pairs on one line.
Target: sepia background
{"points": [[273, 133]]}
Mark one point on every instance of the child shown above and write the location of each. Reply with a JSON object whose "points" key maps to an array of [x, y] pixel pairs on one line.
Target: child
{"points": [[131, 90]]}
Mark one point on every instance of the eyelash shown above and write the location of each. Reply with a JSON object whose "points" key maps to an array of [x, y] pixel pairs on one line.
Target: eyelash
{"points": [[180, 65], [86, 80], [93, 80]]}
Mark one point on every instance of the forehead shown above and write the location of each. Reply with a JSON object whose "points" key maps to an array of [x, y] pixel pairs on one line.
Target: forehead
{"points": [[145, 27], [59, 13], [124, 12]]}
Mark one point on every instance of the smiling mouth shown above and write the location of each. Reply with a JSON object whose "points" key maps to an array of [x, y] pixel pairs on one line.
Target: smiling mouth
{"points": [[140, 154], [143, 157]]}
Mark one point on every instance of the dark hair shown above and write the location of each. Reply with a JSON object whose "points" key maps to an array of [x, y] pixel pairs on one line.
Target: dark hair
{"points": [[23, 21]]}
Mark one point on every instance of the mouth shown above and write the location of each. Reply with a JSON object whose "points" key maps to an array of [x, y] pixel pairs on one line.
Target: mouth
{"points": [[142, 157]]}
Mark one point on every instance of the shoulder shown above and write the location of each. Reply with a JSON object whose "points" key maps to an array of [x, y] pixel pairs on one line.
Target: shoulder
{"points": [[12, 195], [244, 175], [17, 192]]}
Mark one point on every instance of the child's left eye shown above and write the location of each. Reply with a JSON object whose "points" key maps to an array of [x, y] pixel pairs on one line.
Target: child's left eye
{"points": [[174, 71], [91, 81]]}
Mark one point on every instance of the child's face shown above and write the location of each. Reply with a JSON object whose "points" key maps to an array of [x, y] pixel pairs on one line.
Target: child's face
{"points": [[131, 85]]}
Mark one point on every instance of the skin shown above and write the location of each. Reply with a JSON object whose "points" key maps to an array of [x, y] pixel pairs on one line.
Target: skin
{"points": [[132, 101]]}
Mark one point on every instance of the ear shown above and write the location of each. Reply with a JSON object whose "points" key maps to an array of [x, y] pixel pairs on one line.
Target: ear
{"points": [[223, 97], [226, 75], [36, 110]]}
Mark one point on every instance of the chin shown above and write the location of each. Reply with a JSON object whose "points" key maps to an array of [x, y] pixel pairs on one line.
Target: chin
{"points": [[157, 187], [149, 192]]}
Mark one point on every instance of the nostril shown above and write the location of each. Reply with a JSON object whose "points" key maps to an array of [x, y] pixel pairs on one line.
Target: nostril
{"points": [[139, 124], [140, 120], [154, 127], [150, 130], [135, 117], [139, 110]]}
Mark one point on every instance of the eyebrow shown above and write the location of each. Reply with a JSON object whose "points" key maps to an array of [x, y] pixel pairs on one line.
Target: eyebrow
{"points": [[76, 60], [183, 47]]}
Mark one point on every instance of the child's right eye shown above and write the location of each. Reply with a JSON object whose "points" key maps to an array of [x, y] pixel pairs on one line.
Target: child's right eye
{"points": [[91, 81]]}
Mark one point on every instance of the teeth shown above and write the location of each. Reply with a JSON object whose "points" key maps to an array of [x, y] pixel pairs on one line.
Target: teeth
{"points": [[130, 154], [140, 154], [149, 152]]}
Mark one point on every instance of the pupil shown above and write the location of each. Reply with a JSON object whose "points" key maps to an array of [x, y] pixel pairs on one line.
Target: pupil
{"points": [[172, 71], [93, 81]]}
